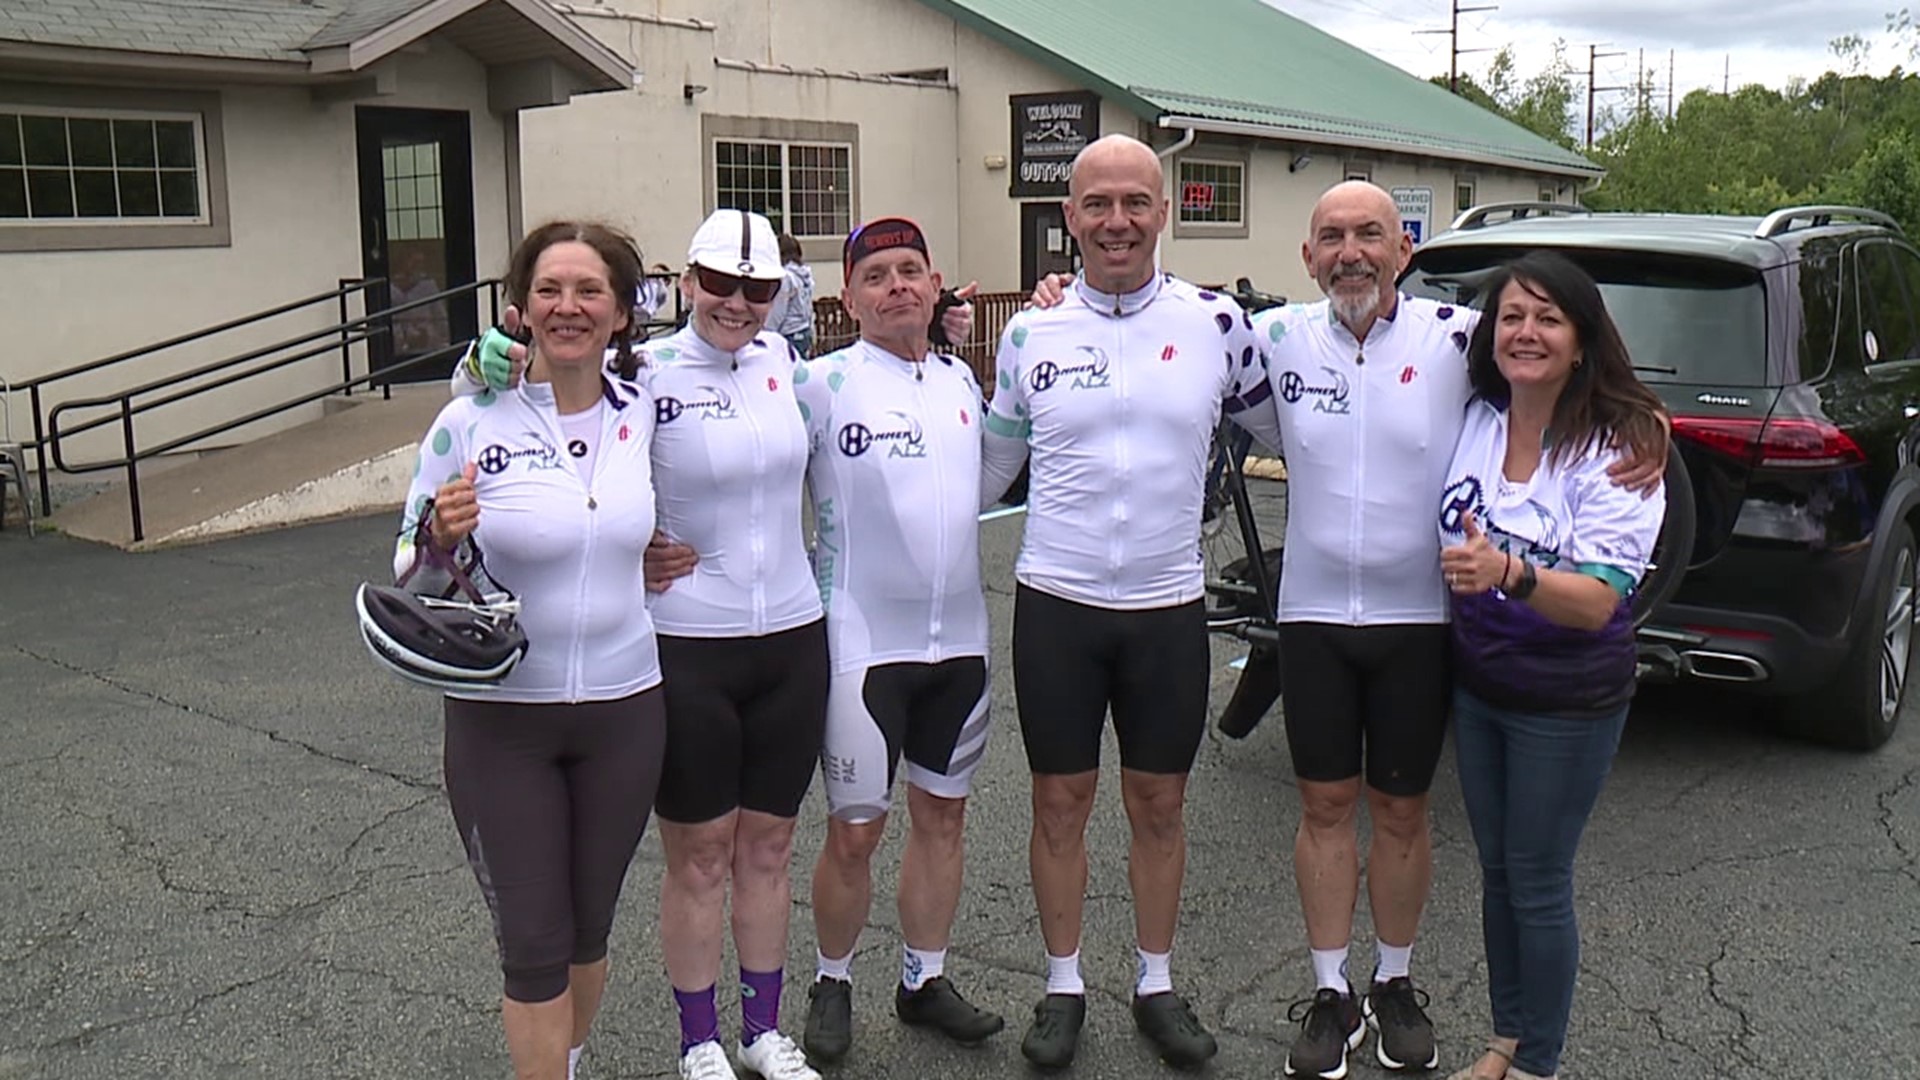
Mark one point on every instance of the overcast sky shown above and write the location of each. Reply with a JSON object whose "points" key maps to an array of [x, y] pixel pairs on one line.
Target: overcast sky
{"points": [[1767, 41]]}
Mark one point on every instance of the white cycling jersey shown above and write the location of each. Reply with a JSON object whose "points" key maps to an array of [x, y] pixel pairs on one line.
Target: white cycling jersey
{"points": [[895, 475], [1118, 398], [565, 540], [729, 462], [1368, 430]]}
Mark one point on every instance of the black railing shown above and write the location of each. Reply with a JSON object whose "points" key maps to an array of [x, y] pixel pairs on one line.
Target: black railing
{"points": [[340, 337]]}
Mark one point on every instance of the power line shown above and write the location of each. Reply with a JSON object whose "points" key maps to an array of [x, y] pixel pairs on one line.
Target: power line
{"points": [[1453, 33], [1594, 56]]}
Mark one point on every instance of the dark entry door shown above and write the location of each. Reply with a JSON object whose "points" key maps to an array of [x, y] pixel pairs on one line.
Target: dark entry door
{"points": [[1045, 247], [416, 231]]}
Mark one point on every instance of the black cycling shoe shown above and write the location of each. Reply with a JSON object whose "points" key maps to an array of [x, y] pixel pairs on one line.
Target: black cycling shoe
{"points": [[938, 1005], [829, 1032], [1055, 1034], [1169, 1024]]}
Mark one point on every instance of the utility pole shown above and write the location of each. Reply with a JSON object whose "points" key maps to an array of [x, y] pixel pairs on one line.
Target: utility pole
{"points": [[1669, 84], [1594, 56], [1726, 80], [1453, 34]]}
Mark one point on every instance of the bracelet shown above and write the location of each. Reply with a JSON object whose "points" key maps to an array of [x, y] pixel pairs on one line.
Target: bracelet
{"points": [[1529, 580], [1507, 571]]}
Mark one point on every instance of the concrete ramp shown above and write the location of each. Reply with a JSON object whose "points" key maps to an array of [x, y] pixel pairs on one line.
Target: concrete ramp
{"points": [[356, 460]]}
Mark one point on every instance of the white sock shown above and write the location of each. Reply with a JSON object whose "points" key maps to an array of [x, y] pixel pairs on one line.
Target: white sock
{"points": [[1063, 974], [919, 965], [1395, 962], [1330, 969], [573, 1059], [831, 968], [1156, 973]]}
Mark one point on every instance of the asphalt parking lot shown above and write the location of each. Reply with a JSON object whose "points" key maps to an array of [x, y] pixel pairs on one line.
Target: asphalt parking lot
{"points": [[227, 855]]}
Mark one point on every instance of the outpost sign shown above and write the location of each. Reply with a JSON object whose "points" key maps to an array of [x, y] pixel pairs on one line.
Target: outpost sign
{"points": [[1048, 131]]}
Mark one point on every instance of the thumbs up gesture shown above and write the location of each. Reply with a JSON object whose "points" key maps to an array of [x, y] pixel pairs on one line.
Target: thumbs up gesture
{"points": [[1476, 565], [456, 509]]}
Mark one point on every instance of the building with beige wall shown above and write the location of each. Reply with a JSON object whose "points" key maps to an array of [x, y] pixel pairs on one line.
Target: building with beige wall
{"points": [[293, 144]]}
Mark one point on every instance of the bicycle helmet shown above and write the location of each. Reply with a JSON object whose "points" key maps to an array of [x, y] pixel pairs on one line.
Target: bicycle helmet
{"points": [[451, 644], [461, 639]]}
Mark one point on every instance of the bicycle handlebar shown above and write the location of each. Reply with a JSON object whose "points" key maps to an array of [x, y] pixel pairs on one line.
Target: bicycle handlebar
{"points": [[1250, 298]]}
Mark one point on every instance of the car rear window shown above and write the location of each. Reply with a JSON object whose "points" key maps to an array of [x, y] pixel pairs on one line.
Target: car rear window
{"points": [[1683, 320]]}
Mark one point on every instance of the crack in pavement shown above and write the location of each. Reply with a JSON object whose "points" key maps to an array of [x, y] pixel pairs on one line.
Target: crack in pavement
{"points": [[272, 736], [1716, 861], [1654, 1019], [89, 1030], [1741, 1042], [1910, 859], [42, 759], [486, 1008], [346, 853], [62, 929]]}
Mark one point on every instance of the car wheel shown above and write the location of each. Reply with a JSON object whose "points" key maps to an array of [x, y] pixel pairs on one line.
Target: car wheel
{"points": [[1860, 708], [1674, 547]]}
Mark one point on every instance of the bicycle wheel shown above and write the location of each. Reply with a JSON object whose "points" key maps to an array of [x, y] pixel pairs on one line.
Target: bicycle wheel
{"points": [[1233, 585]]}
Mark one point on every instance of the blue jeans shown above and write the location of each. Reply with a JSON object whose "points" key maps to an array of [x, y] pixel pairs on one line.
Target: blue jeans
{"points": [[1530, 781]]}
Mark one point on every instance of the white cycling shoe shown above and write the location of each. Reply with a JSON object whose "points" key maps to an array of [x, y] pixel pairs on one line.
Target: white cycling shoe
{"points": [[773, 1056]]}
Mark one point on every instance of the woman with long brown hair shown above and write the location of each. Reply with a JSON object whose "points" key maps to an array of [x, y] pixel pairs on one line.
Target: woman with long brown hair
{"points": [[1542, 553]]}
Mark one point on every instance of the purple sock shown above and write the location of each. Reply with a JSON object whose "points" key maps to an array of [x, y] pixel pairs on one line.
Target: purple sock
{"points": [[759, 1004], [699, 1020]]}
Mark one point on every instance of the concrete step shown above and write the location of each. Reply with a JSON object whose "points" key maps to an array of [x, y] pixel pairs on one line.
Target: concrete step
{"points": [[357, 459]]}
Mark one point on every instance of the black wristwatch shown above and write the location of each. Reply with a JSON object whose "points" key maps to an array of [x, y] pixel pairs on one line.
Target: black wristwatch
{"points": [[1529, 581]]}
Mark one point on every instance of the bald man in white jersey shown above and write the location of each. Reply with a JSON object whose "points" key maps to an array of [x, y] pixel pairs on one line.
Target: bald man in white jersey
{"points": [[1115, 394]]}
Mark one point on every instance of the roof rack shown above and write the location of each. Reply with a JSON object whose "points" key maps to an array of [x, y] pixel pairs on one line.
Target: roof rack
{"points": [[1781, 221], [1477, 216]]}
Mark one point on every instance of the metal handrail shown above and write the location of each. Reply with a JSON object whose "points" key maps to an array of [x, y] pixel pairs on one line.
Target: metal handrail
{"points": [[341, 336], [342, 329]]}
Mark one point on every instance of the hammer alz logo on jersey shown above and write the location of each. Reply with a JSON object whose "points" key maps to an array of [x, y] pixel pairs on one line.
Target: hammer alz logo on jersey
{"points": [[716, 404], [904, 438], [542, 455], [1330, 399], [1088, 375]]}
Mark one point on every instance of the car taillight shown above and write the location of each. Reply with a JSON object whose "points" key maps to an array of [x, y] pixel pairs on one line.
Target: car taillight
{"points": [[1778, 443]]}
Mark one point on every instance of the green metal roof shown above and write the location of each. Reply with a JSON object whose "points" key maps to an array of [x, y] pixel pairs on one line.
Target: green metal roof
{"points": [[1245, 66]]}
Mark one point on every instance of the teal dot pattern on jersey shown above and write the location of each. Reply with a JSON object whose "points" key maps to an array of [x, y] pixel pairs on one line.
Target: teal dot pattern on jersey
{"points": [[1019, 337], [835, 380], [800, 374], [442, 441], [806, 414], [485, 398]]}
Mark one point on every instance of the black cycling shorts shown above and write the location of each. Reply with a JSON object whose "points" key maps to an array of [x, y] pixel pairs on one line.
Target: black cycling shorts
{"points": [[1073, 662], [1375, 692], [551, 801], [745, 717]]}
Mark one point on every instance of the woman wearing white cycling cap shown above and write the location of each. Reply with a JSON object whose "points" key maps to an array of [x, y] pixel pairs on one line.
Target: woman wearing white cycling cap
{"points": [[551, 771]]}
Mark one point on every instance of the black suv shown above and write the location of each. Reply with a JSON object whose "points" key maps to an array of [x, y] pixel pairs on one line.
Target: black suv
{"points": [[1787, 349]]}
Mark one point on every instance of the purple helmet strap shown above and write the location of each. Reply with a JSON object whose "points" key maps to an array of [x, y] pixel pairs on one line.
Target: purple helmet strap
{"points": [[428, 553]]}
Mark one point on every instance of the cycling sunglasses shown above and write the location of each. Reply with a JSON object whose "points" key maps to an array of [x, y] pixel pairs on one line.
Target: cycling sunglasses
{"points": [[755, 290]]}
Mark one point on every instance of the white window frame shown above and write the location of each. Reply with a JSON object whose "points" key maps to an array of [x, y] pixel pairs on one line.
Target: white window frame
{"points": [[786, 179], [210, 228], [1359, 170], [119, 221], [1227, 230], [717, 129], [1472, 185]]}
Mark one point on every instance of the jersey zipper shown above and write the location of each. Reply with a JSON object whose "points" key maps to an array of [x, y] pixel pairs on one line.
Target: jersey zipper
{"points": [[1356, 534], [577, 645], [757, 619], [1123, 463], [936, 613]]}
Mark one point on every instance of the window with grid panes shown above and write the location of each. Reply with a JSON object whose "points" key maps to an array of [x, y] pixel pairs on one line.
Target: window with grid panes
{"points": [[805, 189], [93, 167], [1212, 192]]}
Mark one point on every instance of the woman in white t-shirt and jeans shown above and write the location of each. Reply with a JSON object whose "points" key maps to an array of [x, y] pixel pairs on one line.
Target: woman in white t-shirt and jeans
{"points": [[1542, 553]]}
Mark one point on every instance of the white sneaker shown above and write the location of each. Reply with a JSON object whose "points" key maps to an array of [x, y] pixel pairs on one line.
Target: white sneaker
{"points": [[773, 1056], [706, 1062]]}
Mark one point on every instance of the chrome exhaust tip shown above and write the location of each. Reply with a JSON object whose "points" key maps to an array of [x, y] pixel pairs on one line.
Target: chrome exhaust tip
{"points": [[1722, 666]]}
